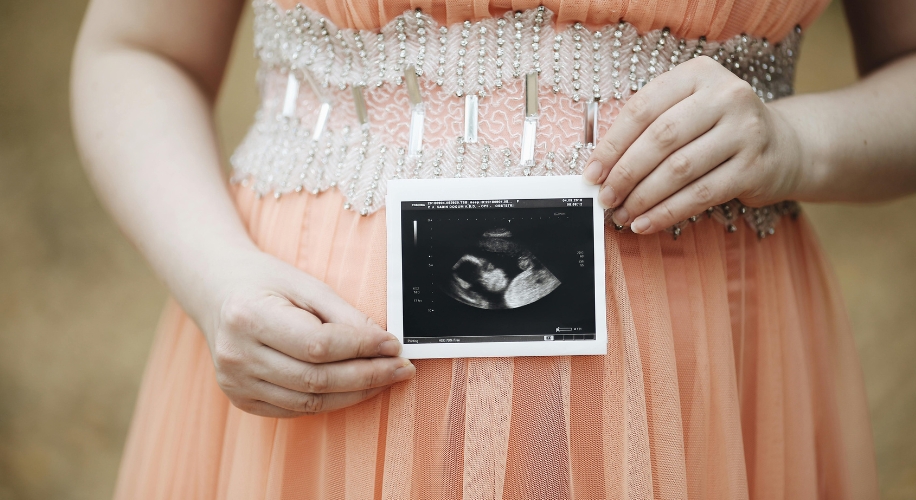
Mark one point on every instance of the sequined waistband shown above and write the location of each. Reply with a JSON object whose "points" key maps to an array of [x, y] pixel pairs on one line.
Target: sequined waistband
{"points": [[504, 96]]}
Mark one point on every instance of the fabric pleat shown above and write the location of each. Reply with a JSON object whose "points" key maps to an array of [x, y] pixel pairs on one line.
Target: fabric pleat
{"points": [[714, 19], [731, 373]]}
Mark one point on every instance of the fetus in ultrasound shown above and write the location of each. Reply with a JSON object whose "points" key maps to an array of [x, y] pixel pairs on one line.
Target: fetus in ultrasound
{"points": [[499, 273]]}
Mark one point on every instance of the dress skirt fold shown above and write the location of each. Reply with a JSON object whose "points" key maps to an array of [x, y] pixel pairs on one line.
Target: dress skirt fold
{"points": [[731, 373]]}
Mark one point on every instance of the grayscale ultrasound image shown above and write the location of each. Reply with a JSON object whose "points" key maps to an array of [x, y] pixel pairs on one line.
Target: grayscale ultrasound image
{"points": [[498, 270], [500, 274]]}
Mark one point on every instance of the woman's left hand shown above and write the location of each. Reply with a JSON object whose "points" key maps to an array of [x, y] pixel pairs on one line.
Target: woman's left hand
{"points": [[695, 137]]}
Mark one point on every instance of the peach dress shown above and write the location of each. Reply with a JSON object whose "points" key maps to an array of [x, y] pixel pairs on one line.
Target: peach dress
{"points": [[731, 370]]}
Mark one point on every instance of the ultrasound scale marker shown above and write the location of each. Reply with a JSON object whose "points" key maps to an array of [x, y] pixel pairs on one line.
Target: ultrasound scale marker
{"points": [[414, 233]]}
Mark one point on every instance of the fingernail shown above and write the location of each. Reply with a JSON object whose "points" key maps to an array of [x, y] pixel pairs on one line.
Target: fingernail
{"points": [[640, 224], [405, 372], [390, 347], [621, 216], [592, 172], [607, 197]]}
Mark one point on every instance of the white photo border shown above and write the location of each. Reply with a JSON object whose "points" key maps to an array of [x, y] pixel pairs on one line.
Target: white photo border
{"points": [[491, 188]]}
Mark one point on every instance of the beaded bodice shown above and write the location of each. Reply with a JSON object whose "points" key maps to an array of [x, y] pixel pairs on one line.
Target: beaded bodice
{"points": [[508, 96]]}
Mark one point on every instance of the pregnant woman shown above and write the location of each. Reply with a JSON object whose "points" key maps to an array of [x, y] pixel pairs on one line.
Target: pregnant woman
{"points": [[731, 371]]}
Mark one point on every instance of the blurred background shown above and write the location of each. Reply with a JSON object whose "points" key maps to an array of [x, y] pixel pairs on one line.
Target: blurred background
{"points": [[78, 305]]}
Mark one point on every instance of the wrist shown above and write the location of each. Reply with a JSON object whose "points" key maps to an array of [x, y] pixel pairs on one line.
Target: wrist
{"points": [[799, 135], [209, 279]]}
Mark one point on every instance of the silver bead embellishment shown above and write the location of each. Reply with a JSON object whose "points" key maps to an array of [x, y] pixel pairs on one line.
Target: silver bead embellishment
{"points": [[596, 66], [615, 65], [443, 42], [401, 161], [329, 51], [634, 60], [507, 160], [517, 45], [536, 38], [402, 50], [361, 51], [481, 58], [380, 45], [358, 167], [485, 160], [421, 39], [701, 46], [341, 157], [348, 57], [418, 167], [500, 51], [437, 163], [379, 167], [653, 68], [577, 55], [462, 51], [549, 162], [459, 158], [557, 41], [574, 157]]}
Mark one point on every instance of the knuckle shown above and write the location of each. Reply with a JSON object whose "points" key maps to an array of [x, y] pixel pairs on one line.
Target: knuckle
{"points": [[227, 357], [669, 214], [740, 89], [639, 108], [244, 404], [705, 61], [237, 314], [312, 404], [609, 149], [227, 383], [315, 380], [316, 347], [624, 172], [375, 377], [703, 193], [680, 166], [665, 133], [636, 201]]}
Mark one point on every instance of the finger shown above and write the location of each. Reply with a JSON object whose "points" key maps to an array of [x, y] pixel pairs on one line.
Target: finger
{"points": [[318, 298], [676, 127], [289, 331], [679, 169], [714, 188], [342, 376], [263, 409], [640, 110], [309, 404]]}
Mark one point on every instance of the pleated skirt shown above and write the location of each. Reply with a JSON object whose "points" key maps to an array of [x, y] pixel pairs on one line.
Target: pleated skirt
{"points": [[731, 373]]}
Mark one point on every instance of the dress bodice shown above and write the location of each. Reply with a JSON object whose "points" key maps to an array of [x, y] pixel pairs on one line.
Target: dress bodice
{"points": [[338, 110]]}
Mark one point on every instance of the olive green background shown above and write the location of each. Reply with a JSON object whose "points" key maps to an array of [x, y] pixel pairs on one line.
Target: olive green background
{"points": [[78, 305]]}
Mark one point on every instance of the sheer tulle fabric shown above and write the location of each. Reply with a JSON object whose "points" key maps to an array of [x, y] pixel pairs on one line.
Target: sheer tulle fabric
{"points": [[716, 20], [731, 373]]}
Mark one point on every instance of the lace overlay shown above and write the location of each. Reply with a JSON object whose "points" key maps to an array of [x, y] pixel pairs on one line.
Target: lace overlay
{"points": [[489, 59]]}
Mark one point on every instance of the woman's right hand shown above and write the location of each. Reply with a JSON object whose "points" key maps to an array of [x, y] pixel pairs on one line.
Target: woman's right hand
{"points": [[285, 345]]}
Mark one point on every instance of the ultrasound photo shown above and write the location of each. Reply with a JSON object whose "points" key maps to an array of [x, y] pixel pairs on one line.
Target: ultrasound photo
{"points": [[498, 270]]}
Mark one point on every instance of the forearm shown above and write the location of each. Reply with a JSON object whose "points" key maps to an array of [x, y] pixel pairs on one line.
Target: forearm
{"points": [[144, 130], [859, 142]]}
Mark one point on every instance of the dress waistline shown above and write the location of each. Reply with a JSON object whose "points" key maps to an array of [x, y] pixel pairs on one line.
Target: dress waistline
{"points": [[340, 107]]}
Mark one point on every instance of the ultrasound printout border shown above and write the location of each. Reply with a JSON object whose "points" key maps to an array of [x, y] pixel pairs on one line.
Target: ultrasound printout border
{"points": [[491, 188]]}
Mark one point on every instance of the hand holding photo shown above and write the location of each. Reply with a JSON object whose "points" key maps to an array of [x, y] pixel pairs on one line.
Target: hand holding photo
{"points": [[496, 267]]}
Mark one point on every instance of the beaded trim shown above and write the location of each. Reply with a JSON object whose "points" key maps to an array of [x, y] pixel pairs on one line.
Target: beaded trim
{"points": [[488, 58]]}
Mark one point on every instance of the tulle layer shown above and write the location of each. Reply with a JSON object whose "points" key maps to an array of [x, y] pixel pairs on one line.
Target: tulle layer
{"points": [[731, 373]]}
